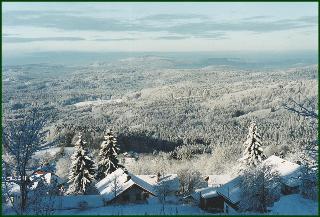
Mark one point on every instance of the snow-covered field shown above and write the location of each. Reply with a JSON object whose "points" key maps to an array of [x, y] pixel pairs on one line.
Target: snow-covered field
{"points": [[138, 209], [294, 204], [288, 205]]}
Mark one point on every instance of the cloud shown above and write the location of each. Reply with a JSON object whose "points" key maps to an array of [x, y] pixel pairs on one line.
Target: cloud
{"points": [[256, 26], [188, 28], [6, 34], [256, 17], [171, 17], [211, 35], [308, 19], [205, 35], [172, 37], [66, 22], [22, 40], [116, 39]]}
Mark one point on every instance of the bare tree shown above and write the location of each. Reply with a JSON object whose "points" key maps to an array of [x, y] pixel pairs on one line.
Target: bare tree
{"points": [[41, 198], [22, 136], [162, 189], [260, 187], [309, 183], [306, 108], [115, 185], [190, 180]]}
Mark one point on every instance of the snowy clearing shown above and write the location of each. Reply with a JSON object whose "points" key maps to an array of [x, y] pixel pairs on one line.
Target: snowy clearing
{"points": [[138, 209], [294, 204]]}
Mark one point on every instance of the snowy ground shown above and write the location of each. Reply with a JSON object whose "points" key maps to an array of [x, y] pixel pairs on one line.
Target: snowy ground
{"points": [[288, 205], [137, 209], [295, 204]]}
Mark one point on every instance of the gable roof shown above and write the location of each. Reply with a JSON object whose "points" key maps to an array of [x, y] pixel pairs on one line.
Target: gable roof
{"points": [[290, 173], [207, 192], [123, 181], [172, 180], [231, 190], [48, 177]]}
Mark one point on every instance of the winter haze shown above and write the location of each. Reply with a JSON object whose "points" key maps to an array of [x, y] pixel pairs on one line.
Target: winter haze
{"points": [[159, 108]]}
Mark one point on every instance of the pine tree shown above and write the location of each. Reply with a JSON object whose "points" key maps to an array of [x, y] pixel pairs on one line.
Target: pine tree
{"points": [[82, 169], [108, 161], [253, 153]]}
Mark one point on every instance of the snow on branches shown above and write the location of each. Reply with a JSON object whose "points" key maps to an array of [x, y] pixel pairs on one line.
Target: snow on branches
{"points": [[253, 153], [108, 161], [82, 169]]}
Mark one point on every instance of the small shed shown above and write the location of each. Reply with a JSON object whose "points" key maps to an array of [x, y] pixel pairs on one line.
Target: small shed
{"points": [[210, 200], [219, 199]]}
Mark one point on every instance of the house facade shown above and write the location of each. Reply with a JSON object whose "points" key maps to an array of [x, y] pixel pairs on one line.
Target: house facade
{"points": [[124, 187], [133, 194]]}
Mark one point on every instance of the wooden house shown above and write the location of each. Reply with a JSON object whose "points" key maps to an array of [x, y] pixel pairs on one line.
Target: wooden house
{"points": [[170, 180], [41, 178], [124, 187], [226, 197], [220, 199], [289, 172]]}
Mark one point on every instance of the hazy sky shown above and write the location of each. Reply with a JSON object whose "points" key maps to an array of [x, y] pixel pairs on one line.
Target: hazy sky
{"points": [[37, 27]]}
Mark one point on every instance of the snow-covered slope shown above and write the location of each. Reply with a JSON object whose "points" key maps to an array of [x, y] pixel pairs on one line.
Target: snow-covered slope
{"points": [[294, 204]]}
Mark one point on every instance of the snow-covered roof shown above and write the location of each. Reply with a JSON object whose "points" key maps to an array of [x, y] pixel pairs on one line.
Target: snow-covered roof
{"points": [[217, 180], [231, 190], [49, 178], [123, 181], [289, 172], [171, 180], [207, 192]]}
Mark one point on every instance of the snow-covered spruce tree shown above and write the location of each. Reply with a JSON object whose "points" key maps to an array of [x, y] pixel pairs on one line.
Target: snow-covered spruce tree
{"points": [[107, 159], [253, 153], [82, 169]]}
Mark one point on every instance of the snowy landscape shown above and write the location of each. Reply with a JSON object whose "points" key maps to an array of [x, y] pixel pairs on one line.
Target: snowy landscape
{"points": [[176, 112]]}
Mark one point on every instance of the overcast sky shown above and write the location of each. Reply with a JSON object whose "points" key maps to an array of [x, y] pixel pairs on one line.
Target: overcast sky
{"points": [[38, 27]]}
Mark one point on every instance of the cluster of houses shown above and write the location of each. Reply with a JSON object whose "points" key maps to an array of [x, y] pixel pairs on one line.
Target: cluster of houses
{"points": [[222, 193]]}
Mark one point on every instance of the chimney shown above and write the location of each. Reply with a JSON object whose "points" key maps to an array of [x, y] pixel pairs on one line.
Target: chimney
{"points": [[158, 176]]}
